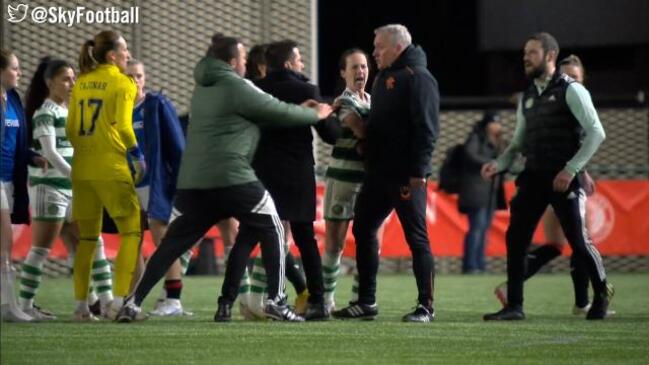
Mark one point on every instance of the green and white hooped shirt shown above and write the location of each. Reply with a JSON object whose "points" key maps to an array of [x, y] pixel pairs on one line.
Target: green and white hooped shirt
{"points": [[49, 120], [346, 164]]}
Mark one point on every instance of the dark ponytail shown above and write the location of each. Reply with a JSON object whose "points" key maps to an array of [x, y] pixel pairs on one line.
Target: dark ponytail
{"points": [[38, 91], [93, 51], [87, 62]]}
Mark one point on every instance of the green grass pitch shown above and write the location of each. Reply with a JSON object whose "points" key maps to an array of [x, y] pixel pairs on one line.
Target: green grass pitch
{"points": [[549, 335]]}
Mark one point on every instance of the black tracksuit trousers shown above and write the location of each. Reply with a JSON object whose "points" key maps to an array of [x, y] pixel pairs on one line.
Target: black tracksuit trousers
{"points": [[375, 202], [534, 193], [195, 211], [304, 237]]}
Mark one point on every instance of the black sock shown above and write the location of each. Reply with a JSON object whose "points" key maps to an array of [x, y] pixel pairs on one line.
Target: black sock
{"points": [[173, 288], [294, 275], [540, 256], [579, 276]]}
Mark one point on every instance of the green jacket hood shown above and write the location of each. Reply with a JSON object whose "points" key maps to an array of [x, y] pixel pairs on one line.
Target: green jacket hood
{"points": [[209, 70]]}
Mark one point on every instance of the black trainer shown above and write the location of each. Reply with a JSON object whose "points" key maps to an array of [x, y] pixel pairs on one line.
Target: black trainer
{"points": [[357, 310], [599, 308], [316, 312], [130, 313], [223, 312], [421, 314], [281, 312], [505, 314]]}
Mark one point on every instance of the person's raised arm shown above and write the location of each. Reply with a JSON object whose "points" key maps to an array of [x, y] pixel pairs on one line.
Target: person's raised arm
{"points": [[265, 110]]}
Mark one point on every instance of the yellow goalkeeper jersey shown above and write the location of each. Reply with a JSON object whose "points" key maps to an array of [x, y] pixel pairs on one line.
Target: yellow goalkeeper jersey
{"points": [[100, 126]]}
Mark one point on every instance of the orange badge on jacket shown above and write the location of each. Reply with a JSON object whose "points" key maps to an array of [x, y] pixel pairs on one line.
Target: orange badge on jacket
{"points": [[389, 83]]}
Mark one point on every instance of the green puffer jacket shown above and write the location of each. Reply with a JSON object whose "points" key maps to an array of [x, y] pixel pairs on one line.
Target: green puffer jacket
{"points": [[226, 113]]}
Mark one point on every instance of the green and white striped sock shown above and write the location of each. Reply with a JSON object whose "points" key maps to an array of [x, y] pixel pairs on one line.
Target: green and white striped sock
{"points": [[102, 277], [244, 294], [330, 272], [258, 277], [31, 275], [258, 287]]}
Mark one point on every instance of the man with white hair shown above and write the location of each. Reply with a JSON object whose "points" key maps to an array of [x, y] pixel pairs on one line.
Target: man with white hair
{"points": [[400, 138]]}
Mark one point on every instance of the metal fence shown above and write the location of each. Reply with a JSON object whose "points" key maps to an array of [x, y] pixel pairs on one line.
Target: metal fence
{"points": [[623, 155], [170, 37]]}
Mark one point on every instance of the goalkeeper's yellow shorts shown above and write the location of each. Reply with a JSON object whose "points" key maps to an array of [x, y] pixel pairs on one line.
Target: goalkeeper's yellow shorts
{"points": [[89, 197]]}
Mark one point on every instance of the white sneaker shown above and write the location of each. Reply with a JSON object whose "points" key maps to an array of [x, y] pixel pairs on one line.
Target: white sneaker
{"points": [[9, 313], [248, 314], [158, 303], [105, 310], [84, 316], [582, 311], [9, 310], [168, 308], [255, 303], [130, 313], [110, 311], [245, 312], [39, 314]]}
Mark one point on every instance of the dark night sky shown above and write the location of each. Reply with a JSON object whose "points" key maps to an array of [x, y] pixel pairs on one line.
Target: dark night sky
{"points": [[449, 32], [345, 24]]}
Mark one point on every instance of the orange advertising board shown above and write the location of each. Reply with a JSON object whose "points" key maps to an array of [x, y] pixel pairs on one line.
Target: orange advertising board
{"points": [[618, 215]]}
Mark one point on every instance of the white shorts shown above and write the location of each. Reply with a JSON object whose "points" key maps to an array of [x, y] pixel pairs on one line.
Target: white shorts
{"points": [[7, 195], [340, 199], [50, 204], [143, 197]]}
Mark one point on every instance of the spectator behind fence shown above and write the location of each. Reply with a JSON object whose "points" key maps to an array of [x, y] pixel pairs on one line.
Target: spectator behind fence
{"points": [[479, 198]]}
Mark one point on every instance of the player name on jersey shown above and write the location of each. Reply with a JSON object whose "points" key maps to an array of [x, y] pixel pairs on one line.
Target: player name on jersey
{"points": [[93, 85]]}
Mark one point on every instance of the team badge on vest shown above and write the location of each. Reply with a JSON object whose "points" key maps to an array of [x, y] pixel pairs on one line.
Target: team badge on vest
{"points": [[529, 103], [552, 98], [389, 83]]}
